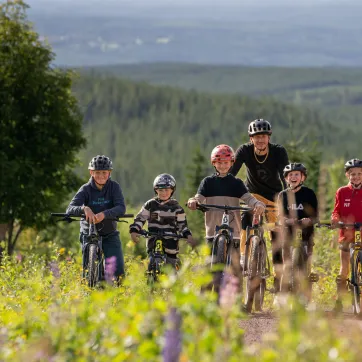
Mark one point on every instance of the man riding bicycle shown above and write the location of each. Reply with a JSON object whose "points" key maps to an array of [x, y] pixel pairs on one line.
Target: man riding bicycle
{"points": [[101, 199], [264, 163]]}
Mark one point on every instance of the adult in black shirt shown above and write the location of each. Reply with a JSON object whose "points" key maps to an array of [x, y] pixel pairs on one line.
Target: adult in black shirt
{"points": [[264, 163]]}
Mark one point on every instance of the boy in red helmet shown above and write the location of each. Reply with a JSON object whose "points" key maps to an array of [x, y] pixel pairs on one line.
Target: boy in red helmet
{"points": [[222, 188], [348, 209]]}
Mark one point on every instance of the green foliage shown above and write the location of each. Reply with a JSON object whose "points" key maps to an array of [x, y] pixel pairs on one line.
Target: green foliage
{"points": [[311, 156], [48, 313], [335, 92], [148, 130], [40, 126], [196, 171]]}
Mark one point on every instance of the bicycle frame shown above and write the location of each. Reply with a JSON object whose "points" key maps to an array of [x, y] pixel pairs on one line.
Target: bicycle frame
{"points": [[224, 229], [93, 238], [158, 257], [355, 250], [256, 230]]}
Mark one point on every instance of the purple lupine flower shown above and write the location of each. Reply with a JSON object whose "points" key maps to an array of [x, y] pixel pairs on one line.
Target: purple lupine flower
{"points": [[173, 343], [110, 269], [229, 290], [19, 258], [54, 268]]}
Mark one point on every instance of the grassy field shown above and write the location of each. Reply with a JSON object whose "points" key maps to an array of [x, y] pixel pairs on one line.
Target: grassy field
{"points": [[49, 314]]}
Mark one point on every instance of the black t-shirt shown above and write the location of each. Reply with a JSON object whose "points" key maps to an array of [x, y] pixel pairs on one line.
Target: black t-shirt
{"points": [[228, 186], [262, 178], [305, 205]]}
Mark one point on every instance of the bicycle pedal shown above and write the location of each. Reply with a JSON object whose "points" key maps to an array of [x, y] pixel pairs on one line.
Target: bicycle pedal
{"points": [[313, 277]]}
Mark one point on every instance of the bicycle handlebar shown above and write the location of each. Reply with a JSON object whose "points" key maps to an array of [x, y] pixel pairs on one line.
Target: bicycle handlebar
{"points": [[70, 217], [204, 207], [339, 225], [147, 233]]}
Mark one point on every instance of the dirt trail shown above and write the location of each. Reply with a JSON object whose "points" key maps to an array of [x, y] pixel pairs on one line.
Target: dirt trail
{"points": [[260, 324]]}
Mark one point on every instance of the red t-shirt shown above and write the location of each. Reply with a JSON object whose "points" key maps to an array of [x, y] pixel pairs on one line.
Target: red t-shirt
{"points": [[348, 209]]}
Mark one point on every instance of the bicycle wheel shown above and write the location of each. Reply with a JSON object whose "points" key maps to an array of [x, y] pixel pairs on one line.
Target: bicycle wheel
{"points": [[298, 272], [92, 265], [219, 250], [260, 290], [357, 282], [253, 279]]}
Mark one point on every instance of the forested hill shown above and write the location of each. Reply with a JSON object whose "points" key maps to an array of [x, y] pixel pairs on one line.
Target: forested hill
{"points": [[148, 130]]}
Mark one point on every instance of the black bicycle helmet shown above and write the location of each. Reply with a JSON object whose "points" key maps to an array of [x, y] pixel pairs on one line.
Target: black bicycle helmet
{"points": [[355, 162], [259, 126], [164, 181], [295, 166], [100, 163]]}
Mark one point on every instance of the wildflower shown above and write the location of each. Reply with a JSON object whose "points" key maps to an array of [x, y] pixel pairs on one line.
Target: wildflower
{"points": [[54, 268], [229, 290], [110, 268], [173, 342]]}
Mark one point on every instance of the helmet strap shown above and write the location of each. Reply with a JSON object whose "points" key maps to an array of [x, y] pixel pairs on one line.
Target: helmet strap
{"points": [[294, 188]]}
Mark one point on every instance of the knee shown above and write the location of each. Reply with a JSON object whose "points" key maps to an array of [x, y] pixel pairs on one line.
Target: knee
{"points": [[341, 279]]}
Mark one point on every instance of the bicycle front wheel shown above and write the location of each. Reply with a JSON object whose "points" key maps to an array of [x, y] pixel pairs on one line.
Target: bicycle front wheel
{"points": [[299, 271], [92, 265], [253, 278], [219, 250], [357, 282], [260, 290]]}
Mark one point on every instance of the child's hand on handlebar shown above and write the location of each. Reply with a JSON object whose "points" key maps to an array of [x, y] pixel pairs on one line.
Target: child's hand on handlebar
{"points": [[135, 237], [306, 221], [259, 209], [192, 204], [89, 216], [99, 217]]}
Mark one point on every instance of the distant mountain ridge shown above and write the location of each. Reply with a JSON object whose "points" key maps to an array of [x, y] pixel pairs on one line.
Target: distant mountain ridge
{"points": [[318, 35]]}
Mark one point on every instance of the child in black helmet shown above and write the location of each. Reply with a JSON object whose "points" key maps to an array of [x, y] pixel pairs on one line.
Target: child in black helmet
{"points": [[296, 203], [163, 213], [101, 199]]}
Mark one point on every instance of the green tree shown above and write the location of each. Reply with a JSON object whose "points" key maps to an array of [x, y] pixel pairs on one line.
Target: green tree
{"points": [[40, 127], [308, 154], [196, 172]]}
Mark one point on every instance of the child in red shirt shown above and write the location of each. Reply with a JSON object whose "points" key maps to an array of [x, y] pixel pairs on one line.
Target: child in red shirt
{"points": [[348, 209]]}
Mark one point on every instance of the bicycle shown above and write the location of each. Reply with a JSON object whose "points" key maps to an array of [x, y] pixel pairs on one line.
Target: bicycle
{"points": [[158, 256], [93, 259], [224, 233], [299, 277], [355, 248], [256, 265]]}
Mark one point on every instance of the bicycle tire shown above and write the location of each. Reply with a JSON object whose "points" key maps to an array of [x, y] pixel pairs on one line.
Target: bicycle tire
{"points": [[298, 272], [260, 291], [253, 280], [357, 280], [219, 250], [154, 272], [92, 265]]}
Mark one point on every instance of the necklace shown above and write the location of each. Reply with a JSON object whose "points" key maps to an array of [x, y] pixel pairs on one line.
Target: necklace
{"points": [[266, 156]]}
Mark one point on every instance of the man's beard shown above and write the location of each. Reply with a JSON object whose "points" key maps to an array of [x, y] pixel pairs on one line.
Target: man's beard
{"points": [[259, 150]]}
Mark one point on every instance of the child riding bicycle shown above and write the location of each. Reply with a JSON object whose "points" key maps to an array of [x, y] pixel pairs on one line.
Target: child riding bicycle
{"points": [[222, 188], [163, 214], [296, 204], [347, 209], [101, 199]]}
